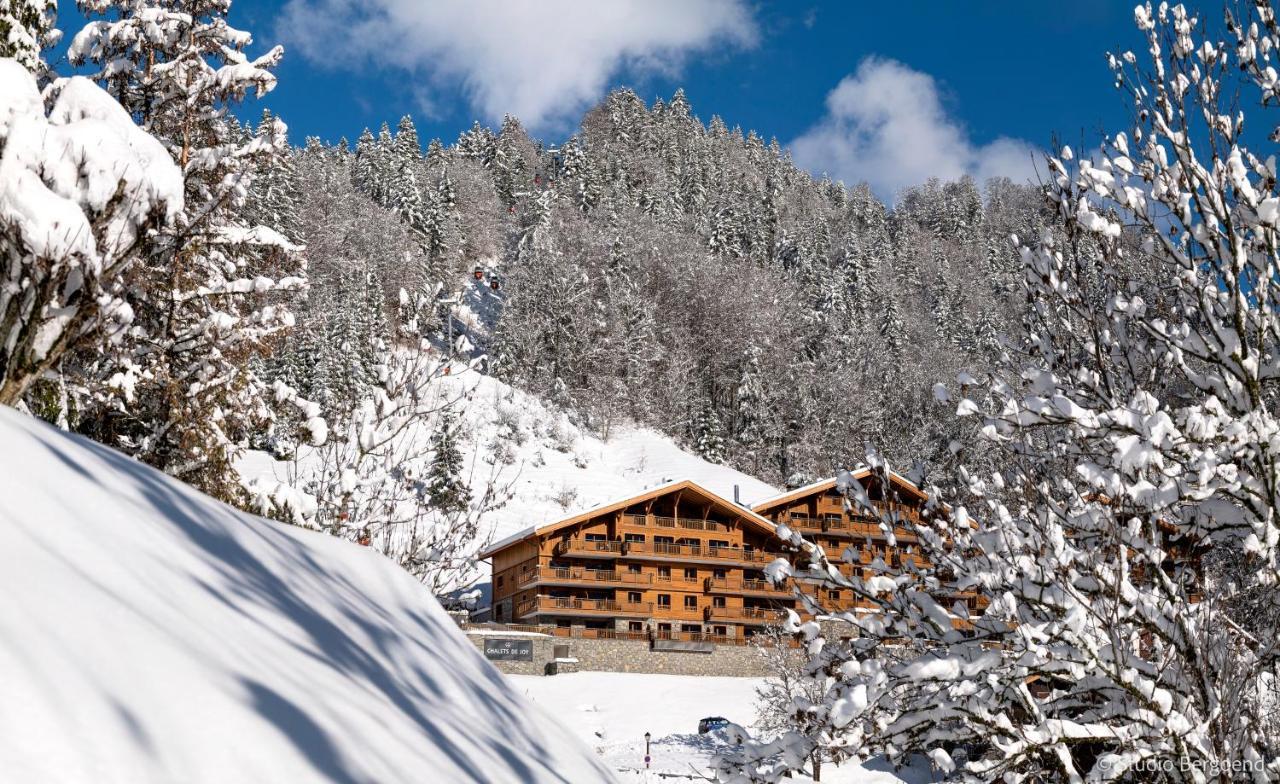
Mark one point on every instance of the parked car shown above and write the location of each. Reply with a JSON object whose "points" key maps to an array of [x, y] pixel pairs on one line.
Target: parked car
{"points": [[712, 723]]}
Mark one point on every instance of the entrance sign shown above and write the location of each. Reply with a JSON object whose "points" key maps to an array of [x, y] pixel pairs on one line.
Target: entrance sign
{"points": [[508, 650]]}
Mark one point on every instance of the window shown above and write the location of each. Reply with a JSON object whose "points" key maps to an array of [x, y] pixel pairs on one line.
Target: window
{"points": [[691, 602], [720, 574], [691, 575], [717, 601], [720, 631], [633, 568], [500, 579], [833, 595], [664, 539], [635, 626], [717, 543], [664, 600], [594, 537], [690, 628], [664, 628], [633, 597], [664, 573], [634, 537]]}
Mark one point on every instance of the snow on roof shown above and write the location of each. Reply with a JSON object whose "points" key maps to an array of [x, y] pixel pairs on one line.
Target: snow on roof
{"points": [[146, 624], [823, 484]]}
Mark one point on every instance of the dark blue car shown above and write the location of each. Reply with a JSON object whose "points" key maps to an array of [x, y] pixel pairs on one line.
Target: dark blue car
{"points": [[712, 723]]}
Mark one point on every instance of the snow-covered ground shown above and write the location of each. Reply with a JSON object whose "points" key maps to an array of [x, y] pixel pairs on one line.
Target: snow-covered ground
{"points": [[150, 634], [552, 468], [612, 711]]}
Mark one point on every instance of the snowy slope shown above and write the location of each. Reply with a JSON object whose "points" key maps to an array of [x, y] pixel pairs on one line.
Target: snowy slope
{"points": [[613, 710], [552, 468], [150, 634]]}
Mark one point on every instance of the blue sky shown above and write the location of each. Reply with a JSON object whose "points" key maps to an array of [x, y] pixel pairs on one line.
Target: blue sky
{"points": [[946, 79]]}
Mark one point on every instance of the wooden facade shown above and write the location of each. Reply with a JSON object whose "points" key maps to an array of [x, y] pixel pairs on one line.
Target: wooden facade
{"points": [[681, 561], [818, 513], [678, 561]]}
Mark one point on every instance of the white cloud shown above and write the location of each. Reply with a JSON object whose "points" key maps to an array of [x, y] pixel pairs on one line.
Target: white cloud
{"points": [[541, 61], [885, 125]]}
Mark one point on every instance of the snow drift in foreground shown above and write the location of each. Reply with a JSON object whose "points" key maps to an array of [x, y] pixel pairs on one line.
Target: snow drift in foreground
{"points": [[151, 634]]}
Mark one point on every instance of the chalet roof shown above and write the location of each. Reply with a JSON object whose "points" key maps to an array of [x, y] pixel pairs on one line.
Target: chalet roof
{"points": [[824, 485], [683, 484]]}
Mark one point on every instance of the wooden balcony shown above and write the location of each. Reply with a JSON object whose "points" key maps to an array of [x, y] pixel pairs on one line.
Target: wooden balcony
{"points": [[567, 605], [689, 524], [547, 575], [590, 548], [743, 587], [749, 615], [688, 553], [836, 525]]}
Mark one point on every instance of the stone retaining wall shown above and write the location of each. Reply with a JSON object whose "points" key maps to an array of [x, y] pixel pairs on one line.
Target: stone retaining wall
{"points": [[630, 656]]}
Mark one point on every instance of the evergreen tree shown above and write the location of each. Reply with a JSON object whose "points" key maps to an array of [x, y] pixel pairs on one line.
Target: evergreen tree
{"points": [[705, 434], [446, 489], [203, 302], [273, 192], [26, 31]]}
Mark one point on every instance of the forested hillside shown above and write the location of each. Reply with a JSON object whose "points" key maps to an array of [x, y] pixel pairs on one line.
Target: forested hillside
{"points": [[652, 267]]}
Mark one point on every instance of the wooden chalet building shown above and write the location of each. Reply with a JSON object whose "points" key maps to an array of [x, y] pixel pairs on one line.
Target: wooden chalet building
{"points": [[676, 562], [817, 512], [681, 562]]}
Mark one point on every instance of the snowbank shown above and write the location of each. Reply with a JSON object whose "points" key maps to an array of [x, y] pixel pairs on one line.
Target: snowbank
{"points": [[150, 634]]}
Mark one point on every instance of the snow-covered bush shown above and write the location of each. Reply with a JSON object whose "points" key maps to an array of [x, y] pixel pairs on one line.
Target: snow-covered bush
{"points": [[391, 475], [82, 189], [1127, 562]]}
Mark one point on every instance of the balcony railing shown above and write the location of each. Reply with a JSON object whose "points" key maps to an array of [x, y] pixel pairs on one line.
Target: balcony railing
{"points": [[568, 605], [692, 525], [693, 552], [590, 548], [736, 585], [659, 521], [747, 614], [856, 525], [804, 522], [574, 574]]}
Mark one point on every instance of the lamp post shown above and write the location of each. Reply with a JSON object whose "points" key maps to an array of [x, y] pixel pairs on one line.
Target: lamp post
{"points": [[646, 751]]}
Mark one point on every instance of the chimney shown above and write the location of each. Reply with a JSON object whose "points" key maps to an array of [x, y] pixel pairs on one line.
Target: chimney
{"points": [[737, 499]]}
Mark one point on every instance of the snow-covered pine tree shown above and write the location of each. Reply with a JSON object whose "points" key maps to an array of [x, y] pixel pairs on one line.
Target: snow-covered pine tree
{"points": [[273, 191], [435, 153], [446, 489], [478, 143], [177, 390], [513, 161], [26, 31], [407, 148], [706, 433], [363, 172], [890, 326]]}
